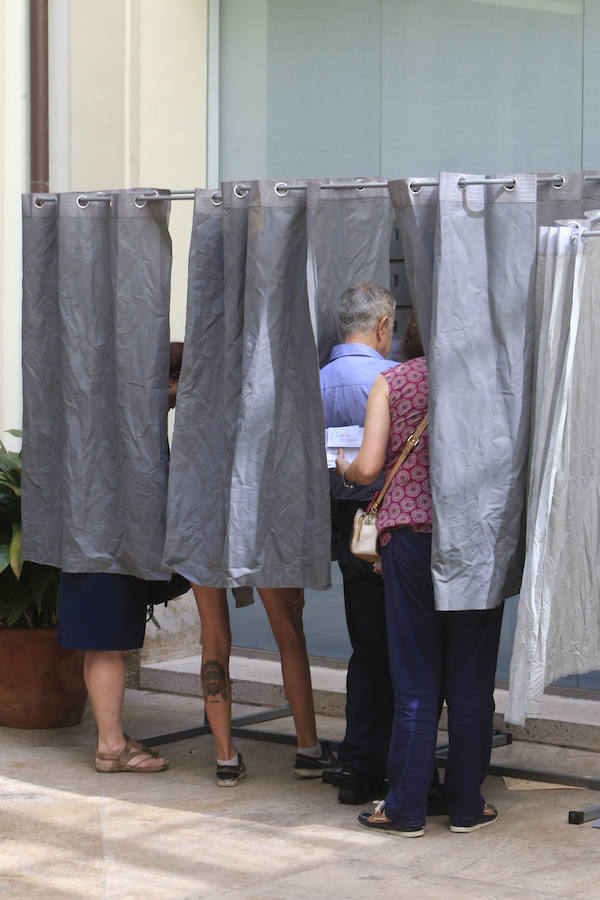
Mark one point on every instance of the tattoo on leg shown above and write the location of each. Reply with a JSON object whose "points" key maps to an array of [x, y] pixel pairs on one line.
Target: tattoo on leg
{"points": [[214, 681]]}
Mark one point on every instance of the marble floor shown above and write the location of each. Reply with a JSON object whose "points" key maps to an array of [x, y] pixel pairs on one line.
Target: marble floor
{"points": [[68, 832]]}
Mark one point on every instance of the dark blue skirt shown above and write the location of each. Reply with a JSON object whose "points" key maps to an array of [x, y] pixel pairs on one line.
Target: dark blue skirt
{"points": [[100, 611]]}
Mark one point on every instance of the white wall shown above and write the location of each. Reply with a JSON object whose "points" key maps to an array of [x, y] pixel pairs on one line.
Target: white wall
{"points": [[138, 107], [127, 108], [14, 179]]}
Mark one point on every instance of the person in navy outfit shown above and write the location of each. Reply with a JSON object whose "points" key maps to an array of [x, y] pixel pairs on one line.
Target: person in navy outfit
{"points": [[434, 655], [366, 323]]}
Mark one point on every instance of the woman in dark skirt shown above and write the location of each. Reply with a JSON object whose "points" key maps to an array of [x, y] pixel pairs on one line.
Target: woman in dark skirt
{"points": [[105, 615]]}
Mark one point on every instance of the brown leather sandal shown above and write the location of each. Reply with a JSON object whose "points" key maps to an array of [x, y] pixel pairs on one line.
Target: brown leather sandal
{"points": [[137, 745], [121, 761]]}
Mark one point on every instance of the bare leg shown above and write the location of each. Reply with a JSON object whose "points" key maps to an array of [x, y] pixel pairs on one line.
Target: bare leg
{"points": [[105, 672], [285, 617], [216, 649]]}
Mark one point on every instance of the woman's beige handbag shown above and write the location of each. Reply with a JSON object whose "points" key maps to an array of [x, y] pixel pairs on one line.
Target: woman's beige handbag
{"points": [[364, 542]]}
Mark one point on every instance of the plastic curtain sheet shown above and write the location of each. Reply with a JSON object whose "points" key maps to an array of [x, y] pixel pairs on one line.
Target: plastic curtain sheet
{"points": [[558, 625], [572, 200], [474, 286], [349, 234], [416, 214], [248, 488], [95, 383]]}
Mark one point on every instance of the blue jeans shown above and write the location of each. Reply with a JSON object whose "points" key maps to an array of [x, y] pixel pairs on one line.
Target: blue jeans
{"points": [[436, 656]]}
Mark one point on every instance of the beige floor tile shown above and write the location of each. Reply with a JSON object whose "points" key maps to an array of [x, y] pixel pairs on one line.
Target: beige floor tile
{"points": [[357, 879], [67, 831]]}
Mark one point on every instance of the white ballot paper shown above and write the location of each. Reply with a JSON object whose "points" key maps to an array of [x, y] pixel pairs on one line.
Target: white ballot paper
{"points": [[348, 437]]}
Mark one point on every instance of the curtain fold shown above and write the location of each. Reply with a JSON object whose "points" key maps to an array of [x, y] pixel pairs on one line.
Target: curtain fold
{"points": [[349, 234], [271, 477], [480, 389], [43, 414], [471, 279], [416, 214], [196, 510], [558, 627], [94, 495]]}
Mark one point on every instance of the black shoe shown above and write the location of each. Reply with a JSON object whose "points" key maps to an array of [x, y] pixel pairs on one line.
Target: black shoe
{"points": [[333, 776], [229, 776], [313, 767], [356, 788], [378, 821], [488, 817], [437, 805]]}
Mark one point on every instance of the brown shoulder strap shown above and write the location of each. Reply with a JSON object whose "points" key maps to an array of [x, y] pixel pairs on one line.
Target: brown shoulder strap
{"points": [[409, 446]]}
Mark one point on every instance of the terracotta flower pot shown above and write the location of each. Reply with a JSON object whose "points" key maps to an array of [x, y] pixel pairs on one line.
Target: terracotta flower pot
{"points": [[41, 684]]}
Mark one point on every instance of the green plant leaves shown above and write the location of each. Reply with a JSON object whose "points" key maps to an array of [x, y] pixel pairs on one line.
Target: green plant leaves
{"points": [[28, 590], [16, 560], [32, 600]]}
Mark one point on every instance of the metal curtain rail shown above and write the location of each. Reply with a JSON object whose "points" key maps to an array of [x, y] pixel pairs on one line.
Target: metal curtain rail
{"points": [[282, 187]]}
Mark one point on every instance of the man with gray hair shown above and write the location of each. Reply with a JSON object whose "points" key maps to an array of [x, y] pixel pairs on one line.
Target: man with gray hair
{"points": [[366, 323]]}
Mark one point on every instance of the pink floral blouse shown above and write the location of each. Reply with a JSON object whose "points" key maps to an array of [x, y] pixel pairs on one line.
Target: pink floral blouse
{"points": [[407, 501]]}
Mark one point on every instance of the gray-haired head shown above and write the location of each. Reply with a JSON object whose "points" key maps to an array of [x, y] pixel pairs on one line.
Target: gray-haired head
{"points": [[362, 307]]}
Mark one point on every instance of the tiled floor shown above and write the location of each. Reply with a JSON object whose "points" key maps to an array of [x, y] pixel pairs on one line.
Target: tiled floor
{"points": [[67, 832]]}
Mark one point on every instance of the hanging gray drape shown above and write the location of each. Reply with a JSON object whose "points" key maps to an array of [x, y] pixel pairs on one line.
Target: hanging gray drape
{"points": [[96, 281], [416, 209], [558, 627], [248, 486], [480, 366], [349, 234]]}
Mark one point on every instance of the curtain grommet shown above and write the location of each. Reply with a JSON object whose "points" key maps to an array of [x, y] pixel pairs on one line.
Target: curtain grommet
{"points": [[360, 184], [414, 187], [144, 198], [462, 183], [241, 191], [281, 189], [510, 187], [39, 202], [85, 203], [561, 182], [216, 199]]}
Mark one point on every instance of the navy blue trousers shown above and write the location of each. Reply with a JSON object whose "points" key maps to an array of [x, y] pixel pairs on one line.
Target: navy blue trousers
{"points": [[369, 692], [436, 656]]}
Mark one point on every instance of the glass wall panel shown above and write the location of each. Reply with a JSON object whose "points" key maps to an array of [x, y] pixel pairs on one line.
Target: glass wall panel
{"points": [[300, 88], [591, 117], [353, 87], [481, 86]]}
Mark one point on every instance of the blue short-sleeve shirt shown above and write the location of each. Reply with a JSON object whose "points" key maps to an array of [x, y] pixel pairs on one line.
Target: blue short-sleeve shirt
{"points": [[346, 383]]}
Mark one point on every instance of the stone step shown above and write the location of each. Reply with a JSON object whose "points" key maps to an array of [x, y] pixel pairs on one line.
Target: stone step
{"points": [[256, 680]]}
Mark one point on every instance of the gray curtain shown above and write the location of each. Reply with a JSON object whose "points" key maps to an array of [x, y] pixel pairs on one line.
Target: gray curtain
{"points": [[480, 364], [248, 487], [96, 279], [558, 626], [349, 234], [416, 211]]}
